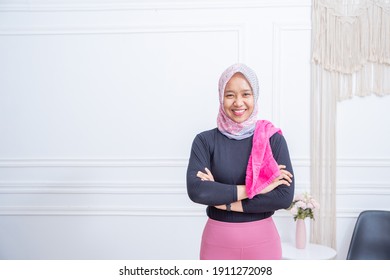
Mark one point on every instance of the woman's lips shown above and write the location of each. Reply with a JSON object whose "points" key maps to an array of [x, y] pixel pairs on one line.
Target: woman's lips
{"points": [[238, 113]]}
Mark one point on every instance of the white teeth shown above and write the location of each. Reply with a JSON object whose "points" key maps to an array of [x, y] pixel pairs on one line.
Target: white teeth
{"points": [[240, 112]]}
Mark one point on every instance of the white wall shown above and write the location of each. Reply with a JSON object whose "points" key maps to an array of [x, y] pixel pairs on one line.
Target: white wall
{"points": [[100, 101]]}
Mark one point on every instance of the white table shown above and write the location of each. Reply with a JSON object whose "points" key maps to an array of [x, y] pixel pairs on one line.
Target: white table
{"points": [[311, 252]]}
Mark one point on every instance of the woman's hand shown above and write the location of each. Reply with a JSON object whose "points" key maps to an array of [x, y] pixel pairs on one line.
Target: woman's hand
{"points": [[283, 179], [221, 207], [205, 176], [235, 206]]}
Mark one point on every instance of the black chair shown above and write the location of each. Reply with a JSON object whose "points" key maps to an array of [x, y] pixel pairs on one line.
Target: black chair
{"points": [[371, 236]]}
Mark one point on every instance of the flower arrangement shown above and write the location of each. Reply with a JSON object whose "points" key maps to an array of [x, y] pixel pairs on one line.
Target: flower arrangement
{"points": [[304, 206]]}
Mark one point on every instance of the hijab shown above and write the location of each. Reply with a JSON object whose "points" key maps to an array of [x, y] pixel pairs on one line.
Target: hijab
{"points": [[227, 126]]}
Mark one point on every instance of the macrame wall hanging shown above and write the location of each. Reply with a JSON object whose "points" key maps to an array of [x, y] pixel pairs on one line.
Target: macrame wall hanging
{"points": [[350, 57]]}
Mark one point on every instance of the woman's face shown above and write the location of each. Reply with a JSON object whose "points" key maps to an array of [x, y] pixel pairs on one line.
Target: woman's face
{"points": [[238, 100]]}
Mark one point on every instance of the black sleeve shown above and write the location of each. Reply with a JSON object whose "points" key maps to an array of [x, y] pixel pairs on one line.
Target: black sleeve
{"points": [[282, 196], [206, 192]]}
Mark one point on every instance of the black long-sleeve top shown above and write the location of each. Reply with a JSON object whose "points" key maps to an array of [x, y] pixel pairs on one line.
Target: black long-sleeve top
{"points": [[227, 160]]}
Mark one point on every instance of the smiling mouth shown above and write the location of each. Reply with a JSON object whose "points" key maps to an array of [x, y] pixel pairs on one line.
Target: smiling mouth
{"points": [[239, 113]]}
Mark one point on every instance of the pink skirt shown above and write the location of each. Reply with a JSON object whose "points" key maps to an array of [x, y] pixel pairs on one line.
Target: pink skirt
{"points": [[257, 240]]}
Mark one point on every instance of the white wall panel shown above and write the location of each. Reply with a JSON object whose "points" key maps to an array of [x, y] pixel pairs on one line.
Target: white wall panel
{"points": [[103, 94]]}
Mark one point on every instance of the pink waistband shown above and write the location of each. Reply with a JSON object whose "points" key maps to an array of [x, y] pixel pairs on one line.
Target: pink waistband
{"points": [[240, 225]]}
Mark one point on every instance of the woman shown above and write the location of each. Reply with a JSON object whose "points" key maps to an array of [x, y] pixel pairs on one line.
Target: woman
{"points": [[229, 171]]}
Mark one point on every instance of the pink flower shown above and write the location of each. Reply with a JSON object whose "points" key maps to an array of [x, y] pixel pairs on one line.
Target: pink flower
{"points": [[294, 210], [301, 204], [304, 206]]}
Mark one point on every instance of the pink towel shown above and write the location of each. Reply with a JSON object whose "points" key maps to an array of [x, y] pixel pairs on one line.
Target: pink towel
{"points": [[262, 168]]}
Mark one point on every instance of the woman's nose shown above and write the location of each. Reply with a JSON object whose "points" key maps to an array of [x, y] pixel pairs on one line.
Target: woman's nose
{"points": [[238, 102]]}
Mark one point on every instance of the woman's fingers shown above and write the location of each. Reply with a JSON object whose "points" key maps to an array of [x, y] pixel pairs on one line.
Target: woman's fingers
{"points": [[282, 168], [283, 182], [205, 176], [286, 175], [283, 179], [209, 174], [201, 175], [286, 179]]}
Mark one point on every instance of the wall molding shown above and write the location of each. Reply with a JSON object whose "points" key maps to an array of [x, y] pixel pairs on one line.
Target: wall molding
{"points": [[99, 211], [101, 30], [354, 213], [359, 188], [79, 162], [363, 162], [63, 6], [59, 187]]}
